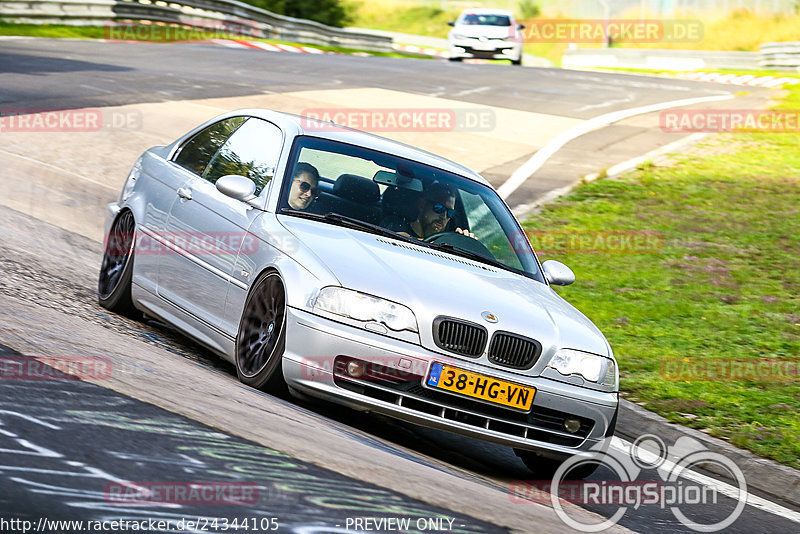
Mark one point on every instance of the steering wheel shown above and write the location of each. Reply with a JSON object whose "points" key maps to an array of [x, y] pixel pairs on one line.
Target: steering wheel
{"points": [[460, 241]]}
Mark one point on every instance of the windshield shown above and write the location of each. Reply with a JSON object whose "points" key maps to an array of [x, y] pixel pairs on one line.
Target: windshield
{"points": [[417, 202], [485, 19]]}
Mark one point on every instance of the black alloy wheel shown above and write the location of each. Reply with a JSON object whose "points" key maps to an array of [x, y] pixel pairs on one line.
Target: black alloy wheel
{"points": [[116, 271], [262, 335]]}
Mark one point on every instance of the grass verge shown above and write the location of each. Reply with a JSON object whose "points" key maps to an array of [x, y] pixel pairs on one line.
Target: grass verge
{"points": [[724, 287]]}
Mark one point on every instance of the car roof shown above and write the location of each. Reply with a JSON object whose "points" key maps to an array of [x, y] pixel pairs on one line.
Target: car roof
{"points": [[326, 130], [488, 11]]}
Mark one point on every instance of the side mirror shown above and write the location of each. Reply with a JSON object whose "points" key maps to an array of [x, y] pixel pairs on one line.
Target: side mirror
{"points": [[520, 26], [451, 23], [238, 187], [557, 273]]}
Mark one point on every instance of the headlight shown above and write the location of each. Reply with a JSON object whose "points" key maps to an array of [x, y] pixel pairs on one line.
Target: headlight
{"points": [[362, 307], [459, 36], [592, 367], [130, 182]]}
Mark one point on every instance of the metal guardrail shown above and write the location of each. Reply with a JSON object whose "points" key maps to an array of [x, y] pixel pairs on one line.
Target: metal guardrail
{"points": [[780, 54], [214, 15]]}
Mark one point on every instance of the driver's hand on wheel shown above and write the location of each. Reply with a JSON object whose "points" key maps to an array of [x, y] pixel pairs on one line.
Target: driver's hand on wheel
{"points": [[466, 233]]}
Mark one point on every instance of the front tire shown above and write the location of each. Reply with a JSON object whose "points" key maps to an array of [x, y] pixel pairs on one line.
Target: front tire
{"points": [[261, 340], [116, 271]]}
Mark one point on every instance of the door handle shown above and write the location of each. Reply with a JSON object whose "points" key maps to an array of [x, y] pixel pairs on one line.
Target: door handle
{"points": [[185, 192]]}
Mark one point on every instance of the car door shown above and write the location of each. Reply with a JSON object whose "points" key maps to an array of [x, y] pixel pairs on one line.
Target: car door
{"points": [[207, 228], [165, 180]]}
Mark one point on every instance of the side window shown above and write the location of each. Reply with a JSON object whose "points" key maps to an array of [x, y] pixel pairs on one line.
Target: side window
{"points": [[252, 151], [198, 151], [485, 226]]}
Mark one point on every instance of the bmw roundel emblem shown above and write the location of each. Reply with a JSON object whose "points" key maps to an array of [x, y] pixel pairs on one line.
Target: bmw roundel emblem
{"points": [[490, 317]]}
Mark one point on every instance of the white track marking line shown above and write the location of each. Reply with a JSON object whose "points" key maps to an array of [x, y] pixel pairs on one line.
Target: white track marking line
{"points": [[472, 91], [632, 163], [554, 145], [59, 169], [722, 487], [606, 104]]}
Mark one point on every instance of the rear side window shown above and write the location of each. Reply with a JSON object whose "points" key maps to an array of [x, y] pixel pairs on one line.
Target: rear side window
{"points": [[252, 151], [198, 151]]}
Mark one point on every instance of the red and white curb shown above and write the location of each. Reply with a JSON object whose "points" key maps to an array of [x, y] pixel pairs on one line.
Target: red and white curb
{"points": [[738, 79], [231, 43], [413, 49]]}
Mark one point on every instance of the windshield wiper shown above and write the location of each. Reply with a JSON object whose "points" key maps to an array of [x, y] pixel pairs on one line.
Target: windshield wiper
{"points": [[458, 251], [349, 222]]}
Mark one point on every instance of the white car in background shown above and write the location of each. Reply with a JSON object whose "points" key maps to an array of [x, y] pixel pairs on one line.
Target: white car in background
{"points": [[486, 34]]}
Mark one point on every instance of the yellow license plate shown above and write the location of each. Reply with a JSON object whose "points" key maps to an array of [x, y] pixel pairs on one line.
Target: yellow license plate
{"points": [[480, 387]]}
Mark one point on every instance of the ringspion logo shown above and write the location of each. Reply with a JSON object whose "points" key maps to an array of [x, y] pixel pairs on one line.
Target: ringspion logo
{"points": [[628, 490]]}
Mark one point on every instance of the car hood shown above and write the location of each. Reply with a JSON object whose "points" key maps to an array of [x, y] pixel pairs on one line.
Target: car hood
{"points": [[434, 284], [492, 32]]}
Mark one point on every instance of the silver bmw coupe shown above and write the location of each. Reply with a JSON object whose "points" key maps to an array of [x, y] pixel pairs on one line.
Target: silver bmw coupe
{"points": [[351, 268]]}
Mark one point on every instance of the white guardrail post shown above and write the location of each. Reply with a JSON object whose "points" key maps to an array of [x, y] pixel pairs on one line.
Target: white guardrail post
{"points": [[221, 16]]}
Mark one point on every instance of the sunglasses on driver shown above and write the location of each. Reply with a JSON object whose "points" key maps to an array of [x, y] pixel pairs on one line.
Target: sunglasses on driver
{"points": [[305, 187], [440, 208]]}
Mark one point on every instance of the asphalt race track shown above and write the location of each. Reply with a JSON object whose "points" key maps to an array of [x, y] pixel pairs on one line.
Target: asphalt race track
{"points": [[167, 410], [63, 478]]}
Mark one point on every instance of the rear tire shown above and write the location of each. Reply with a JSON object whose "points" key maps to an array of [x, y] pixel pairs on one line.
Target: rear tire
{"points": [[261, 340], [116, 271], [517, 61], [457, 59]]}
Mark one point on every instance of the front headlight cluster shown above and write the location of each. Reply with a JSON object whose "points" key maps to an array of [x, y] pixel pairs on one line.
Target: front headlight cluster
{"points": [[459, 36], [362, 307], [592, 367]]}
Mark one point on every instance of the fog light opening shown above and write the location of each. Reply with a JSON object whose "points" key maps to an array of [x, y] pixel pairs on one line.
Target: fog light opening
{"points": [[355, 369], [572, 425]]}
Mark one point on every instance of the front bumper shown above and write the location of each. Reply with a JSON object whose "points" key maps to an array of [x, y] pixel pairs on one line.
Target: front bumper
{"points": [[473, 48], [313, 344]]}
